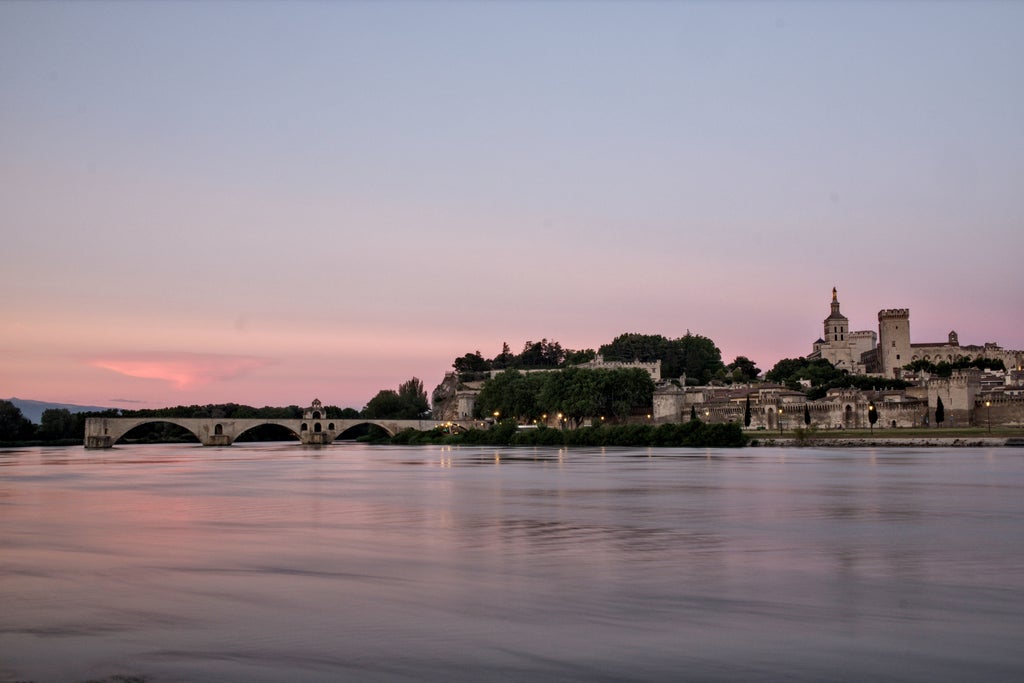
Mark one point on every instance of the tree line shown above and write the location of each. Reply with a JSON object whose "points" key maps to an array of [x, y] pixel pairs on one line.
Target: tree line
{"points": [[694, 356], [693, 434], [946, 368], [574, 393]]}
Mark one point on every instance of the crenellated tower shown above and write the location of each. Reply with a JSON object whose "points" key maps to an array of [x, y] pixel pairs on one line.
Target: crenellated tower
{"points": [[893, 340]]}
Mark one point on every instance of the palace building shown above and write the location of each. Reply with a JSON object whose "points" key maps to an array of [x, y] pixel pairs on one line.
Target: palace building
{"points": [[864, 353]]}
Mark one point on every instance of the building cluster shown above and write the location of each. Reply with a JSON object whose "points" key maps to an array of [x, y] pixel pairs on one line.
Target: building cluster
{"points": [[863, 352], [970, 397]]}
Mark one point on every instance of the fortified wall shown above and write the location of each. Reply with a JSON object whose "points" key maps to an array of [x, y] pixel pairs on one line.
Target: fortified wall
{"points": [[1000, 411], [841, 409], [959, 395]]}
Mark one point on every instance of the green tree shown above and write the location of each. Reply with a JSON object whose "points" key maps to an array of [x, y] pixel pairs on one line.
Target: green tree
{"points": [[872, 415], [542, 354], [504, 359], [694, 355], [471, 365], [56, 423], [693, 413], [818, 372], [511, 394], [386, 404], [578, 357], [413, 393], [13, 425], [624, 391], [746, 412], [408, 403], [746, 367], [940, 412], [807, 416], [573, 392], [785, 369], [946, 368]]}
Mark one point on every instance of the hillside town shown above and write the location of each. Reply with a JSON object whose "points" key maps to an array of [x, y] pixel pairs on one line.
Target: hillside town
{"points": [[967, 397]]}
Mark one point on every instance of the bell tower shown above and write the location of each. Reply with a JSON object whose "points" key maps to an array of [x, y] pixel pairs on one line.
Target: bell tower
{"points": [[837, 326]]}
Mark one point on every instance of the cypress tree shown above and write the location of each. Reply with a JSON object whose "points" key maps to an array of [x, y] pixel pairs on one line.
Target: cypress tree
{"points": [[940, 411], [746, 413]]}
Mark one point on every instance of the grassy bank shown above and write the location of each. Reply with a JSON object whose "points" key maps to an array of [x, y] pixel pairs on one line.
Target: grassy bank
{"points": [[961, 436], [694, 434]]}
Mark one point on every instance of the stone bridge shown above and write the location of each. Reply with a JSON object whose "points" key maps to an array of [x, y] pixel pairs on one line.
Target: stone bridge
{"points": [[313, 428]]}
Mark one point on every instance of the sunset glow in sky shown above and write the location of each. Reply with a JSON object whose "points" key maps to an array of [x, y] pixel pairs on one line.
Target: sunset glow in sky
{"points": [[269, 202]]}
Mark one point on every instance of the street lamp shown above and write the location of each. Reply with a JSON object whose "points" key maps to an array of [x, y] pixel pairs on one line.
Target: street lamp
{"points": [[780, 421], [497, 414], [988, 409]]}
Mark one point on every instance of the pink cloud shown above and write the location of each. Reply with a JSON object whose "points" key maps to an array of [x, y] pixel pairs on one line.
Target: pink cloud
{"points": [[183, 370]]}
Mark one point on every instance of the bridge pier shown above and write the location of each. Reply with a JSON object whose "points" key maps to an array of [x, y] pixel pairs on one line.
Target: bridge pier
{"points": [[98, 441], [308, 438]]}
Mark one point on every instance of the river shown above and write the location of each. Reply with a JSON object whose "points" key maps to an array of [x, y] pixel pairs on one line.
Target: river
{"points": [[276, 562]]}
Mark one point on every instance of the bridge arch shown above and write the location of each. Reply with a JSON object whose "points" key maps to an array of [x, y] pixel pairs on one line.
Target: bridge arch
{"points": [[122, 429], [349, 425], [278, 425]]}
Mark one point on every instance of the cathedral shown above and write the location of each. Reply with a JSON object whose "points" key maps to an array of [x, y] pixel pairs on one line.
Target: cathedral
{"points": [[863, 352], [844, 349]]}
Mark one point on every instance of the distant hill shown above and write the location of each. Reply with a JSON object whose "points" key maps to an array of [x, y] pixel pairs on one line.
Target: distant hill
{"points": [[33, 410]]}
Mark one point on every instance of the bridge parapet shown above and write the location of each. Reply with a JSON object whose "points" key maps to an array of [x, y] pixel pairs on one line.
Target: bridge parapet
{"points": [[104, 432]]}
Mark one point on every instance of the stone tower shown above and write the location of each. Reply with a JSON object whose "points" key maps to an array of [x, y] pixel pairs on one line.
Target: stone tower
{"points": [[837, 326], [893, 340]]}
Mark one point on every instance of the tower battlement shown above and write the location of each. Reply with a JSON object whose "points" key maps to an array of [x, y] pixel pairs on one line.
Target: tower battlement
{"points": [[893, 314]]}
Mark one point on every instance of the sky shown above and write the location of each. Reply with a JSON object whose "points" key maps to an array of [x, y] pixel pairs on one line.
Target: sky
{"points": [[267, 202]]}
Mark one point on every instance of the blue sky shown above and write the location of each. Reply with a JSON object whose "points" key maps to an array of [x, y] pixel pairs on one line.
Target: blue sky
{"points": [[327, 198]]}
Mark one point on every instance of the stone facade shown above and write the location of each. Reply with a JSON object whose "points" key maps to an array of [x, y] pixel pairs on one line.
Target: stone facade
{"points": [[858, 353], [599, 363], [959, 395], [839, 346], [454, 400]]}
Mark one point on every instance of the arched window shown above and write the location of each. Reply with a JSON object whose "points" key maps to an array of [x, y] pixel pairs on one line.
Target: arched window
{"points": [[218, 429], [316, 427], [304, 427], [330, 427], [316, 414]]}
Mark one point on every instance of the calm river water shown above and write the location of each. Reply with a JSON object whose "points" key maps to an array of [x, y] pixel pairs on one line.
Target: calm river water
{"points": [[356, 563]]}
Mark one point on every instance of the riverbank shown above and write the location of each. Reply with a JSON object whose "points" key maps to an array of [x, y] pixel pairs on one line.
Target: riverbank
{"points": [[888, 442]]}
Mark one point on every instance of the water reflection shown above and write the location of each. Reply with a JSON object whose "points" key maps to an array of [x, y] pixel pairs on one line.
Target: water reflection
{"points": [[265, 562]]}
